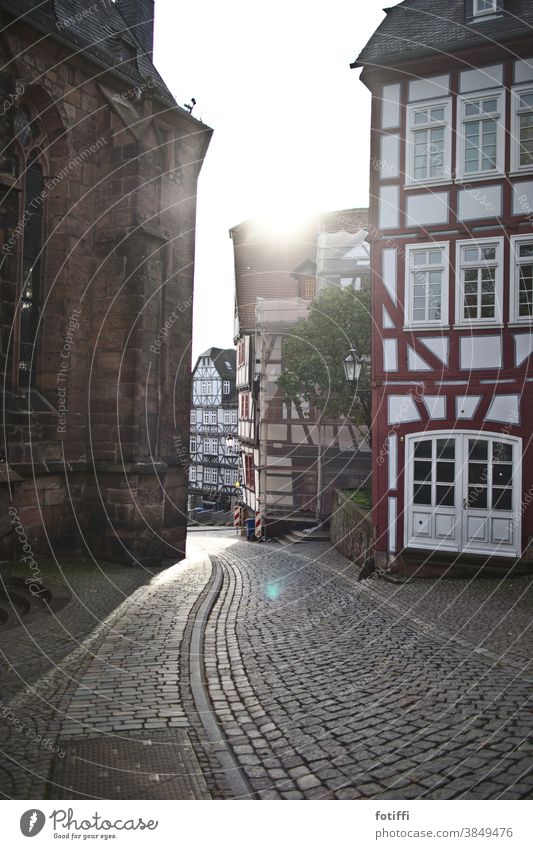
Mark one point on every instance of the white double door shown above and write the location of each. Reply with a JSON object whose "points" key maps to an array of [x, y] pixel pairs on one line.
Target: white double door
{"points": [[463, 492]]}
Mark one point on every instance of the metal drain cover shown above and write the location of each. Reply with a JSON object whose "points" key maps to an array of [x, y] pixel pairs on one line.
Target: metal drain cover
{"points": [[121, 766]]}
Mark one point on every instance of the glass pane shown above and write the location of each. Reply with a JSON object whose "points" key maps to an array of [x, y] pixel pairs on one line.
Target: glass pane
{"points": [[477, 473], [477, 449], [477, 497], [526, 250], [472, 108], [525, 293], [488, 253], [446, 449], [422, 494], [502, 452], [526, 101], [502, 499], [422, 470], [435, 257], [437, 113], [445, 472], [502, 474], [423, 449], [470, 254], [446, 496], [490, 105]]}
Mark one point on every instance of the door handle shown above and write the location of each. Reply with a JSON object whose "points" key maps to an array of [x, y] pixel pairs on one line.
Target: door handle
{"points": [[465, 504]]}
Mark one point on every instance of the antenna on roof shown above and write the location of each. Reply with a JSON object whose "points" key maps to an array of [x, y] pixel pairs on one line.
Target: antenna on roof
{"points": [[190, 106]]}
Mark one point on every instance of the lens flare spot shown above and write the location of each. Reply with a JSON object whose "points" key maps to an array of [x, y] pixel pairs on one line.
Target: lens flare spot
{"points": [[273, 590]]}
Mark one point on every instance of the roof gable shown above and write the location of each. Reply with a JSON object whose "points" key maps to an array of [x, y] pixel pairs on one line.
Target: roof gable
{"points": [[422, 27]]}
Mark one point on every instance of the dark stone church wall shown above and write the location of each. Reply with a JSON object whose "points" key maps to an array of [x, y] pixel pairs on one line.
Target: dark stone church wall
{"points": [[117, 286]]}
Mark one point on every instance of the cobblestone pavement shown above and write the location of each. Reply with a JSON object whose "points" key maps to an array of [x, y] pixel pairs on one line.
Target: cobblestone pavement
{"points": [[492, 616], [101, 674], [325, 690], [288, 679]]}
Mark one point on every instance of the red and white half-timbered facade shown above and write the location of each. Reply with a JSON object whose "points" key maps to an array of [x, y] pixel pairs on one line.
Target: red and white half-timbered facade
{"points": [[451, 227]]}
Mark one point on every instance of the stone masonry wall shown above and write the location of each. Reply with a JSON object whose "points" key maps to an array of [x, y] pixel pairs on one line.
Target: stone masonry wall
{"points": [[351, 529]]}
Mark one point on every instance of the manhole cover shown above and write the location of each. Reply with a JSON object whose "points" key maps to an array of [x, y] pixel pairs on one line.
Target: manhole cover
{"points": [[119, 766]]}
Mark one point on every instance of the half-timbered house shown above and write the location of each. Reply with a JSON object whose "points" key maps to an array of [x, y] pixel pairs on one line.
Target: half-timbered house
{"points": [[213, 470], [452, 277], [292, 459]]}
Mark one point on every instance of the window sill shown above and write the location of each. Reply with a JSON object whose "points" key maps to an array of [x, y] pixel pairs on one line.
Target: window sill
{"points": [[426, 326], [430, 184], [481, 326], [526, 323], [527, 172], [463, 181]]}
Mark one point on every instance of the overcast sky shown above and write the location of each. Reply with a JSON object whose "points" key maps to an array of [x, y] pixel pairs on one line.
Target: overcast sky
{"points": [[291, 120]]}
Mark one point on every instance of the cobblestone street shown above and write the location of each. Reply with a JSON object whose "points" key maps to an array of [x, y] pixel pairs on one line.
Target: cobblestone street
{"points": [[262, 671]]}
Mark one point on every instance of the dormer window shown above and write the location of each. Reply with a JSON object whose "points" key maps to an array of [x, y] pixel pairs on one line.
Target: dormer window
{"points": [[485, 7]]}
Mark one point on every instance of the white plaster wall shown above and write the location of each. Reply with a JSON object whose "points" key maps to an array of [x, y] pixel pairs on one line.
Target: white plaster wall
{"points": [[390, 106], [389, 211], [390, 355], [523, 70], [466, 406], [429, 208], [480, 352], [389, 156], [429, 89], [523, 198], [479, 202], [478, 79], [402, 408], [504, 408], [389, 272]]}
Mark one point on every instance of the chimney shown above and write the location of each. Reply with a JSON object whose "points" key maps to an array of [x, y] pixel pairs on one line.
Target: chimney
{"points": [[139, 16]]}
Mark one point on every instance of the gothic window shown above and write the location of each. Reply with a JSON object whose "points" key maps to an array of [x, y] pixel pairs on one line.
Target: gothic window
{"points": [[21, 271], [31, 272]]}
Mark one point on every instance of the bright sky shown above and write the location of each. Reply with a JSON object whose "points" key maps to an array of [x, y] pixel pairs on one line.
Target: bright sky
{"points": [[291, 120]]}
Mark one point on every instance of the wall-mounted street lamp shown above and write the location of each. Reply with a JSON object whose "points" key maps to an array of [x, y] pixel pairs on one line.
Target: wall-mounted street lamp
{"points": [[229, 441], [352, 366]]}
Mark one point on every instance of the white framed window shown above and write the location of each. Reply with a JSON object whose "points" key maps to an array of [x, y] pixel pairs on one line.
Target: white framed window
{"points": [[479, 273], [210, 445], [226, 387], [230, 476], [193, 417], [192, 474], [203, 387], [227, 417], [522, 129], [485, 7], [234, 417], [426, 291], [210, 475], [244, 400], [522, 279], [480, 127], [429, 142], [210, 417], [192, 446]]}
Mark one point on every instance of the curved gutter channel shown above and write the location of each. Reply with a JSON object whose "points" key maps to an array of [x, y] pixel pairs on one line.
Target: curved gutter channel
{"points": [[234, 775]]}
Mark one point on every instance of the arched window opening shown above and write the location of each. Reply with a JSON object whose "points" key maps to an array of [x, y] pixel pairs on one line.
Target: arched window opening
{"points": [[31, 271], [22, 244]]}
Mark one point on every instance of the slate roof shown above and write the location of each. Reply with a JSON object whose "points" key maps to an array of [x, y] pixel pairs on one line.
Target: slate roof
{"points": [[220, 357], [425, 27], [96, 35]]}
